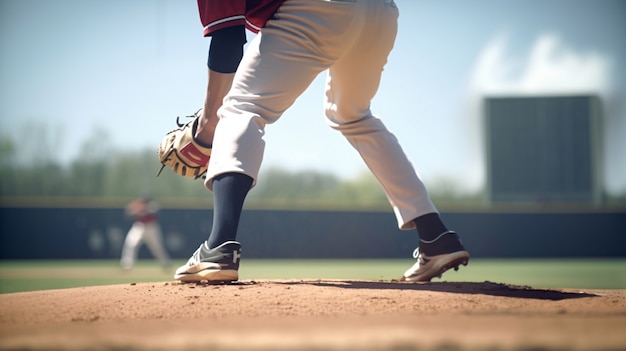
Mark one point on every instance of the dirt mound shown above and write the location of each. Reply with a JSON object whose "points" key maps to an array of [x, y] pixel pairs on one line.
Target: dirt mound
{"points": [[313, 315]]}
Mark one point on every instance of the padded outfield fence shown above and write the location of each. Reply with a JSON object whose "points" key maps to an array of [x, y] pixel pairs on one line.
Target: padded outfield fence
{"points": [[98, 233]]}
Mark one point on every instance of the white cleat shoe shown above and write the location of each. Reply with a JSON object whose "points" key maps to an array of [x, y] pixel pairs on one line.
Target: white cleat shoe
{"points": [[429, 267], [217, 264], [451, 255]]}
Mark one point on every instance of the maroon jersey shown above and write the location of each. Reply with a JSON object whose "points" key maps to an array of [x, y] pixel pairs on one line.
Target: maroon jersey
{"points": [[216, 14], [141, 210]]}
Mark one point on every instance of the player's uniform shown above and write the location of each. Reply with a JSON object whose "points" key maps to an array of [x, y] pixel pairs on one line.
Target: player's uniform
{"points": [[297, 40], [145, 229], [300, 39], [218, 14]]}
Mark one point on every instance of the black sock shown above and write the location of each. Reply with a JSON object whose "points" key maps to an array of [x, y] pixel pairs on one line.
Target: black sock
{"points": [[429, 226], [229, 192]]}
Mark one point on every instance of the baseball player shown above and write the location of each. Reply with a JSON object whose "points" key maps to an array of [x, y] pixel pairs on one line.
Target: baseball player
{"points": [[145, 229], [297, 40]]}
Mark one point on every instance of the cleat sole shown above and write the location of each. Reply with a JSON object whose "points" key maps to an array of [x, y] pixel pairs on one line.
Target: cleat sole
{"points": [[209, 275]]}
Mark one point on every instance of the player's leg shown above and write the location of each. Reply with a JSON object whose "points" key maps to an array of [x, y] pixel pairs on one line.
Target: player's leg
{"points": [[131, 245], [279, 64], [217, 258], [154, 241], [351, 85]]}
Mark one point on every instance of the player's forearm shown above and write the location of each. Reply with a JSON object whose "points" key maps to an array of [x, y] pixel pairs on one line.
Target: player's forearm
{"points": [[217, 87], [225, 53]]}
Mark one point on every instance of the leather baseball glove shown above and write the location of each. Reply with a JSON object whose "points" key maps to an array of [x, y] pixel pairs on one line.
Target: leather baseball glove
{"points": [[182, 153]]}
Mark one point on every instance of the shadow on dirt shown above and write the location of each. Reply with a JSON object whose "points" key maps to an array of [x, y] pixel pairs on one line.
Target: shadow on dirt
{"points": [[484, 288]]}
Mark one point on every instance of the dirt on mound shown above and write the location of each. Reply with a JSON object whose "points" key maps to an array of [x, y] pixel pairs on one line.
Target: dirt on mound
{"points": [[313, 315]]}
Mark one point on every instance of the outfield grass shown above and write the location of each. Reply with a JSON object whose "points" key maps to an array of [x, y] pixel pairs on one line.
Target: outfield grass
{"points": [[17, 276]]}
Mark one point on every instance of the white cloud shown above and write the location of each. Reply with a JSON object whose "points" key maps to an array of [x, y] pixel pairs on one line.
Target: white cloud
{"points": [[549, 68]]}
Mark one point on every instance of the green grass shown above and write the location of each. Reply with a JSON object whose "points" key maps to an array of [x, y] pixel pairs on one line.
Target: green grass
{"points": [[17, 276]]}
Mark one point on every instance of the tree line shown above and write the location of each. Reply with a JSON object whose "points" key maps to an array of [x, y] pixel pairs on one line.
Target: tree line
{"points": [[30, 169], [101, 172], [131, 174]]}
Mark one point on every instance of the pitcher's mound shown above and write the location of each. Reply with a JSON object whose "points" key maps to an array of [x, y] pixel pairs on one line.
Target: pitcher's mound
{"points": [[313, 315]]}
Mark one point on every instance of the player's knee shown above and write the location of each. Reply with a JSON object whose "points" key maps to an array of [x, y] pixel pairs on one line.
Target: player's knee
{"points": [[359, 124]]}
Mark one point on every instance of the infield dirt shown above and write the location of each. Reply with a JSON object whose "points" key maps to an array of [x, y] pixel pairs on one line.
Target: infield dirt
{"points": [[313, 315]]}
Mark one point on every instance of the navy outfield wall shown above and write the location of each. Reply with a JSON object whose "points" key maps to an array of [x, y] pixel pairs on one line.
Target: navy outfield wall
{"points": [[84, 233]]}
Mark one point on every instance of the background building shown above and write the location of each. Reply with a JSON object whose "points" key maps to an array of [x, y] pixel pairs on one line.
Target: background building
{"points": [[544, 149]]}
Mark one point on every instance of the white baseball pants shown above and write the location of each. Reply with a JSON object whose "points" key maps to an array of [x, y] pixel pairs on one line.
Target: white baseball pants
{"points": [[351, 39], [139, 233]]}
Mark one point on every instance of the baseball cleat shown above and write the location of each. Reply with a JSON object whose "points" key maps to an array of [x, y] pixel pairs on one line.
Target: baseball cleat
{"points": [[428, 267], [220, 264]]}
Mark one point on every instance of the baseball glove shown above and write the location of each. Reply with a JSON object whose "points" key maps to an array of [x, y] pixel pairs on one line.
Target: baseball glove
{"points": [[182, 153]]}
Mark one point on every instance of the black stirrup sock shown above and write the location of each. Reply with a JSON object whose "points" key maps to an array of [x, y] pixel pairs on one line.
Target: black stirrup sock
{"points": [[429, 226], [229, 192]]}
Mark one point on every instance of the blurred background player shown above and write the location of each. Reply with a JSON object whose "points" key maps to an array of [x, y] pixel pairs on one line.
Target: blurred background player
{"points": [[145, 229]]}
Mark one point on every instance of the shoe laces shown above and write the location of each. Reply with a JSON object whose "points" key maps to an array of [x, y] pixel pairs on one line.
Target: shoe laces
{"points": [[195, 258], [419, 256]]}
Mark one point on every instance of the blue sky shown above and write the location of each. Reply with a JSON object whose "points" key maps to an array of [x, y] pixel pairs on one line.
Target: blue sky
{"points": [[128, 68]]}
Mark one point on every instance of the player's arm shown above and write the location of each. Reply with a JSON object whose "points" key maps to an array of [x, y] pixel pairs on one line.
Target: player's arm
{"points": [[225, 53]]}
